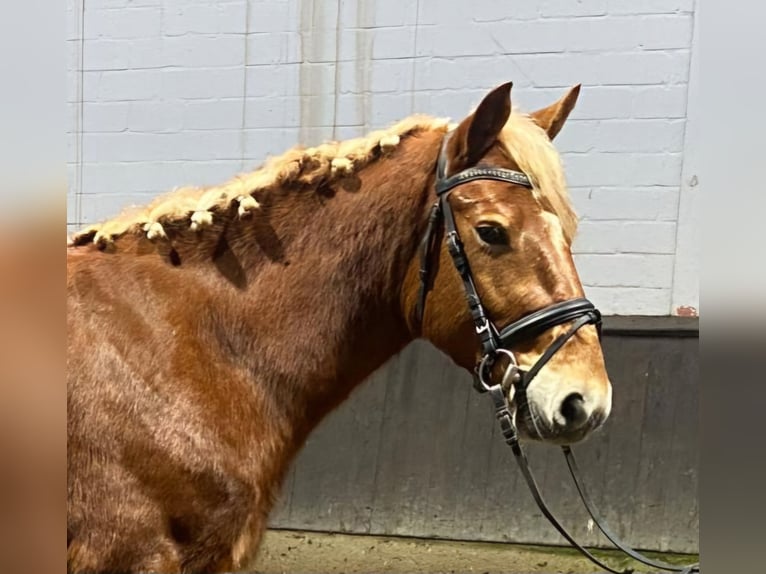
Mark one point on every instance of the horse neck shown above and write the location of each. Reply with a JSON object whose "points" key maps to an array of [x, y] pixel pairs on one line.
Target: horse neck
{"points": [[322, 275]]}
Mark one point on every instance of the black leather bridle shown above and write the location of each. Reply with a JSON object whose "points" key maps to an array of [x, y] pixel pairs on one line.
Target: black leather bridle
{"points": [[495, 342], [492, 339]]}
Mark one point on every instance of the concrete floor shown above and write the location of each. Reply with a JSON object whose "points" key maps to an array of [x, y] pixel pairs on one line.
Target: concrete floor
{"points": [[294, 552]]}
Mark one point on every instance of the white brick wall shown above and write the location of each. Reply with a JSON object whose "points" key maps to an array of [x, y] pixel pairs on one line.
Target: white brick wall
{"points": [[170, 92]]}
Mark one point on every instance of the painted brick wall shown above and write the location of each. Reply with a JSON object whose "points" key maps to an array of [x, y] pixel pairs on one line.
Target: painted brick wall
{"points": [[171, 92]]}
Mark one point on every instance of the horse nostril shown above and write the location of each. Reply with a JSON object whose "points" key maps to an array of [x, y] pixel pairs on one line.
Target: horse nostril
{"points": [[573, 410]]}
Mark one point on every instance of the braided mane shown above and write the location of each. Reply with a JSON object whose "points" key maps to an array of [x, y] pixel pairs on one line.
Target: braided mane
{"points": [[302, 167], [298, 167]]}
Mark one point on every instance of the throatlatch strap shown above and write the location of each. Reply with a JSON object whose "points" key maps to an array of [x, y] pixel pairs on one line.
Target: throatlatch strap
{"points": [[426, 250]]}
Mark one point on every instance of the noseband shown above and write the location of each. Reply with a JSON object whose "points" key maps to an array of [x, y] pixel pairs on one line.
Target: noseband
{"points": [[492, 339], [495, 342]]}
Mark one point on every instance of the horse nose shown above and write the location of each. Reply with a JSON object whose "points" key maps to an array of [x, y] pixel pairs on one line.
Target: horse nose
{"points": [[574, 412]]}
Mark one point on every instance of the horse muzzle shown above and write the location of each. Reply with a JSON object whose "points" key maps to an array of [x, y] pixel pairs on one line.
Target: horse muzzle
{"points": [[564, 417]]}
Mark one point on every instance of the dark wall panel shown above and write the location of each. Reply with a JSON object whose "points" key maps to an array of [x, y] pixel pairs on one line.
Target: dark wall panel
{"points": [[415, 452]]}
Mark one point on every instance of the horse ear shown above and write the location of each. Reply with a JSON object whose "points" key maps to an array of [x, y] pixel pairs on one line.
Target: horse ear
{"points": [[552, 118], [476, 133]]}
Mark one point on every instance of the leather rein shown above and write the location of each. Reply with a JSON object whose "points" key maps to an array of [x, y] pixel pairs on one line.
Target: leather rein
{"points": [[498, 342]]}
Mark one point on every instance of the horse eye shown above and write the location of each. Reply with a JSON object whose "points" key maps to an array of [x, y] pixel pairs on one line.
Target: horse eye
{"points": [[492, 234]]}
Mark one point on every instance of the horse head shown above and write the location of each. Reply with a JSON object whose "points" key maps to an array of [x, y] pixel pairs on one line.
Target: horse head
{"points": [[506, 245]]}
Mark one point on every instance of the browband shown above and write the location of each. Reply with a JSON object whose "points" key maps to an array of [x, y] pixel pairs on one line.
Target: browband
{"points": [[472, 173], [444, 183]]}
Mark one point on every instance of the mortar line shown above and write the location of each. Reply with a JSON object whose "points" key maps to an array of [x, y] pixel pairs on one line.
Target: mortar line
{"points": [[80, 115], [336, 71], [414, 56], [242, 138]]}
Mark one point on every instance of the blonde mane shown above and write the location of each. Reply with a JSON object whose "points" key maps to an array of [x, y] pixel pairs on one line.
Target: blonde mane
{"points": [[533, 151], [300, 166], [527, 143]]}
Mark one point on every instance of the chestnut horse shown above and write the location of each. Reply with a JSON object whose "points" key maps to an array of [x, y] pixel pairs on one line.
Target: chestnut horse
{"points": [[210, 331]]}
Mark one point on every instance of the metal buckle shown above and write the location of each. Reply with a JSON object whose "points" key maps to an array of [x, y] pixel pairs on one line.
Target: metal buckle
{"points": [[512, 375], [503, 414], [483, 328], [453, 244]]}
